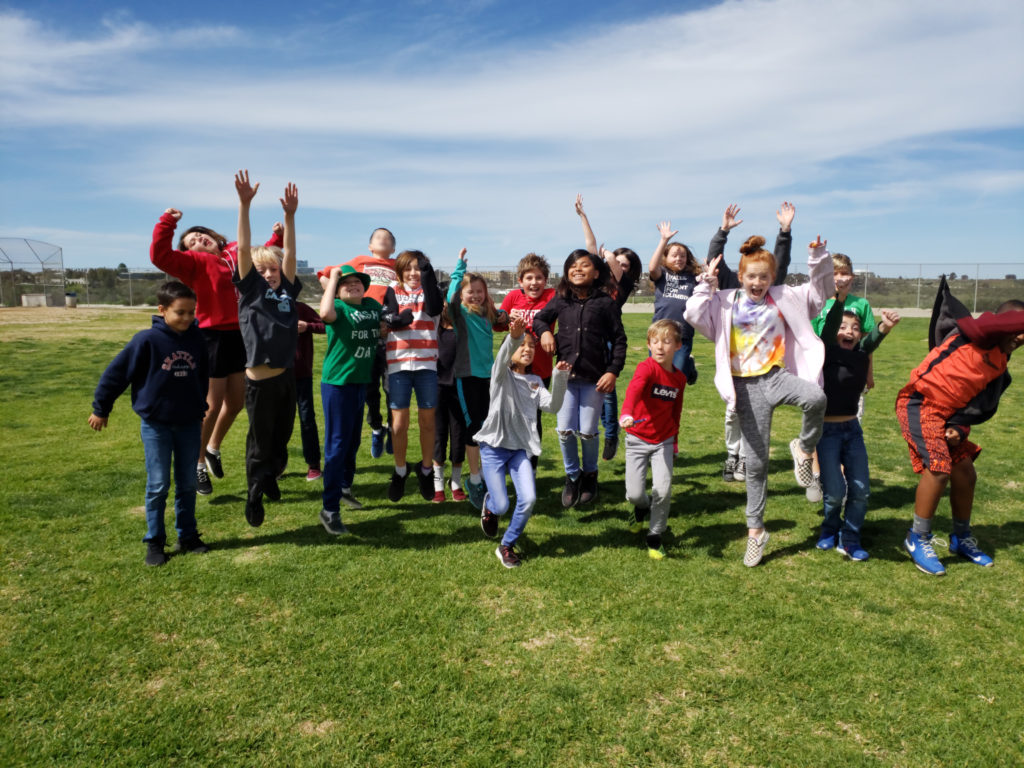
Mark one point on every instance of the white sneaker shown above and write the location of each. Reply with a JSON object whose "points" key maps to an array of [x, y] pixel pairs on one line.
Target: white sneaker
{"points": [[740, 473], [813, 492], [755, 549]]}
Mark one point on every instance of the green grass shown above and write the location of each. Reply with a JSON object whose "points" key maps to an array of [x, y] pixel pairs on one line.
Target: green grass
{"points": [[407, 643]]}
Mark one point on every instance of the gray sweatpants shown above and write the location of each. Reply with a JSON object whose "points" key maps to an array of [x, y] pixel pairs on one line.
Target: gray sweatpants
{"points": [[756, 399], [639, 454]]}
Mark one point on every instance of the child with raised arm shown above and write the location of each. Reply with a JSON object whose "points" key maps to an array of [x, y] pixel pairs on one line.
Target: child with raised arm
{"points": [[734, 468], [475, 318], [413, 304], [353, 329], [167, 368], [268, 318], [508, 438], [309, 323], [841, 453], [650, 416], [674, 271], [766, 355], [590, 338], [958, 384]]}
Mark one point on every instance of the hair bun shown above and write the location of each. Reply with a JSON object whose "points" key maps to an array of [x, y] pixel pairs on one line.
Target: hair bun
{"points": [[752, 245]]}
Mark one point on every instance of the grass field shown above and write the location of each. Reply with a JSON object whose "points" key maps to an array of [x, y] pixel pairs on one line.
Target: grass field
{"points": [[407, 644]]}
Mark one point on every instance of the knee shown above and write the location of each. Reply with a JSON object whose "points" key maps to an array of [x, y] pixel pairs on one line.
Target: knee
{"points": [[585, 436], [638, 497], [497, 506], [565, 435]]}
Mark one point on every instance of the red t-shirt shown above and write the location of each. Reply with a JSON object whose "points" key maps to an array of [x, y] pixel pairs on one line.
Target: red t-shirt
{"points": [[654, 398], [529, 307], [381, 272]]}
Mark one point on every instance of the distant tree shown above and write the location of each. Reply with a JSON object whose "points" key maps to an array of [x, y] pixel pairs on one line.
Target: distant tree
{"points": [[951, 276], [123, 268]]}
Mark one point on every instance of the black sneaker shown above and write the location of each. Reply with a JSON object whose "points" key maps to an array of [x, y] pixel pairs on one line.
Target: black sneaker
{"points": [[213, 465], [203, 485], [388, 447], [508, 556], [426, 482], [254, 511], [155, 553], [272, 490], [611, 447], [571, 492], [690, 371], [396, 488], [332, 523], [195, 545], [349, 500], [489, 523], [588, 487]]}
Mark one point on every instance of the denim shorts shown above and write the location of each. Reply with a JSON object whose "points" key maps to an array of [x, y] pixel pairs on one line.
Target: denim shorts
{"points": [[402, 383]]}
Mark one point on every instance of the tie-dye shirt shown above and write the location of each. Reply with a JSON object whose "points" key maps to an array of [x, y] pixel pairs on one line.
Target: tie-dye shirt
{"points": [[758, 340]]}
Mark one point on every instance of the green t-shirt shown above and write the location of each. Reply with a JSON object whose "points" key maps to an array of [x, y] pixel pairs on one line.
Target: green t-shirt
{"points": [[854, 304], [351, 343]]}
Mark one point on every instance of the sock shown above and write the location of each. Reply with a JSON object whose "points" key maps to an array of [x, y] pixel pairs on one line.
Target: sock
{"points": [[201, 464], [922, 525], [213, 451], [961, 528], [346, 491], [457, 476], [378, 431], [427, 471], [400, 471], [438, 478], [653, 540], [474, 478]]}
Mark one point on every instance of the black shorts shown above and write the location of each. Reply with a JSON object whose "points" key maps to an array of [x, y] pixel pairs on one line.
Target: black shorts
{"points": [[226, 351], [475, 399]]}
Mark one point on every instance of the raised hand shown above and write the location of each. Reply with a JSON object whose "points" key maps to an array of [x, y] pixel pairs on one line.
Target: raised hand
{"points": [[174, 213], [729, 220], [246, 192], [666, 231], [462, 256], [819, 243], [889, 319], [290, 201], [785, 215], [579, 205], [516, 326], [278, 228], [711, 272]]}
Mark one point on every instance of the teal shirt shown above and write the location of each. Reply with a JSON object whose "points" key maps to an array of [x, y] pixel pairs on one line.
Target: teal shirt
{"points": [[474, 337], [351, 343], [854, 304]]}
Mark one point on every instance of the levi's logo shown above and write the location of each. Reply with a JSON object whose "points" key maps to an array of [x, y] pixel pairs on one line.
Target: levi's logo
{"points": [[664, 393]]}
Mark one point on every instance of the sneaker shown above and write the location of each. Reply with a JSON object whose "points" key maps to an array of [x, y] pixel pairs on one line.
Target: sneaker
{"points": [[213, 465], [272, 490], [967, 548], [657, 554], [852, 549], [438, 497], [803, 469], [458, 494], [588, 487], [755, 549], [313, 474], [814, 493], [508, 556], [729, 469], [332, 523], [489, 523], [690, 371], [919, 547], [376, 443], [194, 545], [349, 500], [740, 473], [476, 491], [389, 449], [827, 539], [203, 485], [426, 482], [636, 520], [396, 488], [611, 447], [254, 512], [571, 492], [155, 553]]}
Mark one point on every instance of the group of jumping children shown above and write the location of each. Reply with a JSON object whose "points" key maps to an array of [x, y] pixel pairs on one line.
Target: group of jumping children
{"points": [[231, 332]]}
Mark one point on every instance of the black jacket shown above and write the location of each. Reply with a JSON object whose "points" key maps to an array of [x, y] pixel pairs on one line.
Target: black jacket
{"points": [[585, 328]]}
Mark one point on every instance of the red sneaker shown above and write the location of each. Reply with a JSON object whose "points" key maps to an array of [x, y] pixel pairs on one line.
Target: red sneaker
{"points": [[458, 494], [313, 474], [438, 497]]}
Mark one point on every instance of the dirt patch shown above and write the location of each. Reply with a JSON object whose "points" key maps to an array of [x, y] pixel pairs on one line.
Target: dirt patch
{"points": [[52, 315]]}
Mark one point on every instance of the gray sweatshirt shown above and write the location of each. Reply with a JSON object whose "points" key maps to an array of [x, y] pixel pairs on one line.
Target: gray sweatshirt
{"points": [[511, 421]]}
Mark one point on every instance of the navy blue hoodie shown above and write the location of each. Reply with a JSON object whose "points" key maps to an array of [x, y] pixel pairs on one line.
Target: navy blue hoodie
{"points": [[168, 373]]}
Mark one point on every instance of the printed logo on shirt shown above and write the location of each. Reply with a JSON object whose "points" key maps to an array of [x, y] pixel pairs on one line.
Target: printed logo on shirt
{"points": [[379, 275], [662, 392], [180, 363], [284, 302]]}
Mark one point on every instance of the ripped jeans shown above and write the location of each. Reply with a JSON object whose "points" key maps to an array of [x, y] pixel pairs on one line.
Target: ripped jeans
{"points": [[579, 417]]}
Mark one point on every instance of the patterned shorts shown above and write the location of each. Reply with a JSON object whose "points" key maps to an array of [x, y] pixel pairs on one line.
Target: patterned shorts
{"points": [[924, 429]]}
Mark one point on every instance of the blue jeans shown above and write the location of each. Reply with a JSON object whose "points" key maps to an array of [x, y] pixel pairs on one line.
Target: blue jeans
{"points": [[343, 429], [610, 414], [160, 441], [842, 446], [494, 463], [579, 417], [681, 359], [307, 422], [402, 383]]}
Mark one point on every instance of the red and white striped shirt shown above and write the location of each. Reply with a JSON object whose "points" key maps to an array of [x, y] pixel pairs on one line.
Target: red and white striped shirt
{"points": [[412, 347]]}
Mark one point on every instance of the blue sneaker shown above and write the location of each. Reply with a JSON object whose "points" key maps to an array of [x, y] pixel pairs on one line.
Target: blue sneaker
{"points": [[967, 548], [476, 492], [826, 539], [852, 549], [377, 443], [389, 449], [919, 547]]}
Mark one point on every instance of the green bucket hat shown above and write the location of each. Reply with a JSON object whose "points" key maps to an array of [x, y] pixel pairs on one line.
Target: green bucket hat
{"points": [[348, 271]]}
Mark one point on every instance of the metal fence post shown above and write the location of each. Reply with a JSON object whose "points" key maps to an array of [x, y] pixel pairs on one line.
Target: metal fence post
{"points": [[976, 268]]}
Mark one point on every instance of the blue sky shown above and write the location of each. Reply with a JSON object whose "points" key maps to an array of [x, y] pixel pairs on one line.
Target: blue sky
{"points": [[895, 128]]}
